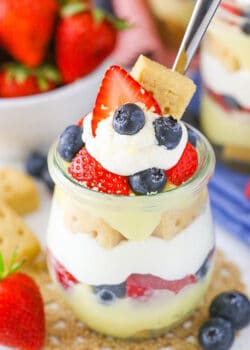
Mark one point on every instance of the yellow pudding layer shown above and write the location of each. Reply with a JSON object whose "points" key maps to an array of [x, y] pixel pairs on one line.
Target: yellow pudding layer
{"points": [[128, 318], [222, 127], [178, 10], [233, 39]]}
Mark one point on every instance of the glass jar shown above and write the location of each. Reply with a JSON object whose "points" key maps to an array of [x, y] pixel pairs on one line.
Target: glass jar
{"points": [[225, 71], [133, 266]]}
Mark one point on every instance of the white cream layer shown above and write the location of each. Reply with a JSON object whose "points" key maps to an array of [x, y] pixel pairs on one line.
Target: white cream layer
{"points": [[218, 79], [129, 154], [169, 259]]}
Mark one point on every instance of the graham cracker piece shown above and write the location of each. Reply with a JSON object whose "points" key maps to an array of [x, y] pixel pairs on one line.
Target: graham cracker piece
{"points": [[64, 331], [236, 153], [18, 190], [217, 49], [79, 220], [172, 90], [173, 222], [15, 235]]}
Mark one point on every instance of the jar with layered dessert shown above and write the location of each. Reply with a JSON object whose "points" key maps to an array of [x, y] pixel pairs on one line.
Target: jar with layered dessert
{"points": [[132, 266], [225, 70]]}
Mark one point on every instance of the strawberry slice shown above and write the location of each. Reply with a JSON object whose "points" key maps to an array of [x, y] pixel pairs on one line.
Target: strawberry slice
{"points": [[144, 285], [84, 168], [65, 278], [118, 88], [185, 168]]}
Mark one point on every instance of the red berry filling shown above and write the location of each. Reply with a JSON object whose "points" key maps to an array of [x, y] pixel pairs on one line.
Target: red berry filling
{"points": [[64, 277], [143, 285]]}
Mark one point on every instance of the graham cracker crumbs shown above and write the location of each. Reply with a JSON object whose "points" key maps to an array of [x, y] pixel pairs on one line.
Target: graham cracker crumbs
{"points": [[66, 332]]}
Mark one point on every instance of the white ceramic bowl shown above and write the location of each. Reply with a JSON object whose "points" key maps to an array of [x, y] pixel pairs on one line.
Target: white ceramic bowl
{"points": [[33, 122]]}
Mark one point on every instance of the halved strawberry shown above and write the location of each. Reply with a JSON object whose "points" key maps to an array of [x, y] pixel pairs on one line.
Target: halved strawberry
{"points": [[84, 168], [118, 88], [185, 168], [143, 285]]}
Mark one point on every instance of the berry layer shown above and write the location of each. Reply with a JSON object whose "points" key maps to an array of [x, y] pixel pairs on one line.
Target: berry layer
{"points": [[223, 82], [129, 317], [227, 29], [92, 264], [222, 127]]}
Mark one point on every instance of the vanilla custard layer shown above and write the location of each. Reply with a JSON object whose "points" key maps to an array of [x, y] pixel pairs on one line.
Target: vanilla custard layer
{"points": [[128, 317], [233, 39], [224, 128], [171, 259]]}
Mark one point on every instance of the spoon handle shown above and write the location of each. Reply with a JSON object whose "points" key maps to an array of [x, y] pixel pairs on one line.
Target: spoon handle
{"points": [[203, 13]]}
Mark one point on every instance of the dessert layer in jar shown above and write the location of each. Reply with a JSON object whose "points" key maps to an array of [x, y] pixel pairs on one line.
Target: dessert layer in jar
{"points": [[172, 18], [163, 278], [225, 73]]}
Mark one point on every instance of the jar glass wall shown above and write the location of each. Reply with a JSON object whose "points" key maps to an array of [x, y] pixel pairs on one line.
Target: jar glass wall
{"points": [[132, 266], [225, 71]]}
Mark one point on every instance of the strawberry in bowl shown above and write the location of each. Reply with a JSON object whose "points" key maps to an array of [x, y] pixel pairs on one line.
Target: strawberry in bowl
{"points": [[57, 54]]}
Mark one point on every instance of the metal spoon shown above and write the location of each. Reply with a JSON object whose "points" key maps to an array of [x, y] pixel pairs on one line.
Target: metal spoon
{"points": [[203, 13]]}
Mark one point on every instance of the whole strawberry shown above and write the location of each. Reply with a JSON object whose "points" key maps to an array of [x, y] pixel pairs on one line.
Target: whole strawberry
{"points": [[26, 28], [17, 80], [22, 319], [84, 38]]}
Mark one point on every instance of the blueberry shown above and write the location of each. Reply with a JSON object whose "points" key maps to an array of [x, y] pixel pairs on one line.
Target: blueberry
{"points": [[35, 164], [70, 142], [231, 102], [105, 5], [245, 27], [47, 179], [128, 119], [168, 132], [232, 306], [108, 293], [216, 334], [119, 290], [148, 181]]}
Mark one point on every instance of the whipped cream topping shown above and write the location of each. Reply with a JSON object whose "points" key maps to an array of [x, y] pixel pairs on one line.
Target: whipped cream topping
{"points": [[217, 78], [169, 259], [129, 154]]}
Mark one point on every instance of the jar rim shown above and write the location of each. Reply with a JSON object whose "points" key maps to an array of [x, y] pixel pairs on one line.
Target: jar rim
{"points": [[194, 185]]}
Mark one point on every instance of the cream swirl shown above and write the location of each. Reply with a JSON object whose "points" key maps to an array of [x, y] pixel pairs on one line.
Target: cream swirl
{"points": [[129, 154]]}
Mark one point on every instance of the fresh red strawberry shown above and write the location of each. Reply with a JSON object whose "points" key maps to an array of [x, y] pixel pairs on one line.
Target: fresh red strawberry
{"points": [[143, 285], [26, 27], [65, 278], [84, 168], [117, 88], [22, 318], [82, 41], [185, 168], [17, 80]]}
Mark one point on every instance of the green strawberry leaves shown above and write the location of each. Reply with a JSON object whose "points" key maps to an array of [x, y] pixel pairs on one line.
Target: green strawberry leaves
{"points": [[12, 268]]}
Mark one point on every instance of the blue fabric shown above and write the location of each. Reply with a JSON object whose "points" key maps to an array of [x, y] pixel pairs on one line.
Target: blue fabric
{"points": [[230, 207]]}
